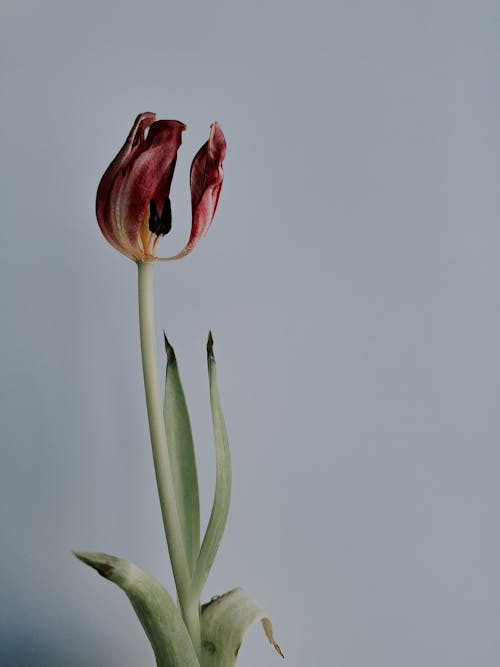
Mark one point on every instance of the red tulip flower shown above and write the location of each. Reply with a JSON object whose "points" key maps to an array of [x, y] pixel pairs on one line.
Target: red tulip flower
{"points": [[133, 203], [134, 212]]}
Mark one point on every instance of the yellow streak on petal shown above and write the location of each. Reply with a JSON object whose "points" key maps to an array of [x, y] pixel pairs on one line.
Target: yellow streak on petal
{"points": [[144, 233], [155, 245]]}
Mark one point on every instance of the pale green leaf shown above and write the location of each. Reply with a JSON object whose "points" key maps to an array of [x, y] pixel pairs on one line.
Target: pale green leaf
{"points": [[156, 610], [182, 458], [222, 494], [224, 622]]}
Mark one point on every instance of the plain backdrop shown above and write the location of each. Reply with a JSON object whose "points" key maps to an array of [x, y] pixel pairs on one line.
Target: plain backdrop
{"points": [[351, 279]]}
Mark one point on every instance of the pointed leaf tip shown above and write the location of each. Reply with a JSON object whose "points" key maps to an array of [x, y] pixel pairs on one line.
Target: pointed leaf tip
{"points": [[169, 350], [210, 346], [103, 563]]}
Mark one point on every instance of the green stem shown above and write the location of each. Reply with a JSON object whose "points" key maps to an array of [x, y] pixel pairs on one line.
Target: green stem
{"points": [[164, 480]]}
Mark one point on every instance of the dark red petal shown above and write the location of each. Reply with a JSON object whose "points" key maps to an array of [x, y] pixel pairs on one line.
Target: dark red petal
{"points": [[206, 181], [146, 175], [104, 203]]}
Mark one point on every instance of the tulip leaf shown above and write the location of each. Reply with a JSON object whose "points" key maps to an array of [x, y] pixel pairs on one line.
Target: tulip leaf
{"points": [[222, 494], [225, 621], [182, 457], [156, 610]]}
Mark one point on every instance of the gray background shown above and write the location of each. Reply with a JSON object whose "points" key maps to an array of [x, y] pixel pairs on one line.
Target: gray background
{"points": [[351, 281]]}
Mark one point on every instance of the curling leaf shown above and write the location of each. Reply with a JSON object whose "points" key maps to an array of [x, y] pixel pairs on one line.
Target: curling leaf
{"points": [[222, 495], [225, 621], [182, 457], [156, 610]]}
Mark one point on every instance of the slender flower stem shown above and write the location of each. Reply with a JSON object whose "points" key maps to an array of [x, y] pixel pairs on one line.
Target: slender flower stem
{"points": [[164, 480]]}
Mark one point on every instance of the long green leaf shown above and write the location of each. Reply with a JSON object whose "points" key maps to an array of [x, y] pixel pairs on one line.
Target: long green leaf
{"points": [[182, 457], [222, 494], [224, 622], [156, 610]]}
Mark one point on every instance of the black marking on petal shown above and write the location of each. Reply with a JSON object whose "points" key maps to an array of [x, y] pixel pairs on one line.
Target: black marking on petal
{"points": [[160, 224]]}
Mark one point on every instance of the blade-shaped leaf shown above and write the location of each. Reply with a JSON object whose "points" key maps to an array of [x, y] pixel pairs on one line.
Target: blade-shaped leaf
{"points": [[182, 457], [222, 494], [156, 610], [224, 622]]}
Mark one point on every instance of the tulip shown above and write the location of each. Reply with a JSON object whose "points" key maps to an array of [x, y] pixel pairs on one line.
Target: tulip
{"points": [[133, 210], [133, 198]]}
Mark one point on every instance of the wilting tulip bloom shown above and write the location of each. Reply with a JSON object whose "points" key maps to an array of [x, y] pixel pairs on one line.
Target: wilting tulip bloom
{"points": [[133, 198]]}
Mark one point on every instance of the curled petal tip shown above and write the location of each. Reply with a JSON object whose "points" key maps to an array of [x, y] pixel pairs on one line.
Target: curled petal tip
{"points": [[144, 118], [217, 139], [137, 133]]}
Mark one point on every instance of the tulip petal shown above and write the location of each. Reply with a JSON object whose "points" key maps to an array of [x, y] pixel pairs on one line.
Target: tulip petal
{"points": [[103, 199], [133, 205], [146, 177], [206, 181]]}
